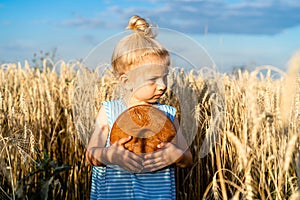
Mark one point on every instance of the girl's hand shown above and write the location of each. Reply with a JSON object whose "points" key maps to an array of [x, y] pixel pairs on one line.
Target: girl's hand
{"points": [[118, 155], [167, 154]]}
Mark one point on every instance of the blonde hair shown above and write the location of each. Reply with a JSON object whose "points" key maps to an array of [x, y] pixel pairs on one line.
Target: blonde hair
{"points": [[132, 49]]}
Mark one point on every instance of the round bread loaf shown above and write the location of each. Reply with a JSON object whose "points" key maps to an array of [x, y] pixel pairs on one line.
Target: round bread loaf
{"points": [[147, 125]]}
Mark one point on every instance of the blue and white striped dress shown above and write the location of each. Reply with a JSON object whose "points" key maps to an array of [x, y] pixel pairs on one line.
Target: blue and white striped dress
{"points": [[112, 183]]}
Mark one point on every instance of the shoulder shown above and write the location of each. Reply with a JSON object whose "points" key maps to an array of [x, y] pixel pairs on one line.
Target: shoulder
{"points": [[111, 102], [105, 111], [101, 118], [167, 107], [105, 103], [169, 110]]}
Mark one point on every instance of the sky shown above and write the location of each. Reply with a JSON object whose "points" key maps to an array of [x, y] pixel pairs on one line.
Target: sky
{"points": [[234, 33]]}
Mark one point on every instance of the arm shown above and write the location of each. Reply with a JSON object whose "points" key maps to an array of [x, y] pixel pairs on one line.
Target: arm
{"points": [[115, 154], [184, 155], [186, 158], [95, 153], [175, 152]]}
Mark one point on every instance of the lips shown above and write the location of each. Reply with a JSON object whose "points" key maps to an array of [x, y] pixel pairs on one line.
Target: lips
{"points": [[157, 95]]}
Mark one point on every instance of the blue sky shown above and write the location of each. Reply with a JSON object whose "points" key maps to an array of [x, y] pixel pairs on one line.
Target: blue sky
{"points": [[233, 32]]}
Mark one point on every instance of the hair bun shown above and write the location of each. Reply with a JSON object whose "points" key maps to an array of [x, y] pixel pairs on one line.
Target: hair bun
{"points": [[140, 25]]}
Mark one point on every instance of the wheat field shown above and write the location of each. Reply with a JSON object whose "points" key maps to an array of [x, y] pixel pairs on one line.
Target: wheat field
{"points": [[46, 118]]}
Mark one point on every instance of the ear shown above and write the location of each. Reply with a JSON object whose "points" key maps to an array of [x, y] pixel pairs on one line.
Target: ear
{"points": [[123, 79]]}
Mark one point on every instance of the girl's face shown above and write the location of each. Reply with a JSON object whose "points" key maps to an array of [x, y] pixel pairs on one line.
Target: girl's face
{"points": [[146, 83]]}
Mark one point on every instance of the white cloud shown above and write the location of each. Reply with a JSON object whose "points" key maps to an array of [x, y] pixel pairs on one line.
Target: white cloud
{"points": [[80, 21], [245, 17], [254, 17], [19, 45]]}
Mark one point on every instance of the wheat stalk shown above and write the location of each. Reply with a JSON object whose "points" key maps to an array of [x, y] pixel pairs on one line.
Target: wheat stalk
{"points": [[291, 146], [37, 106], [241, 149], [289, 90]]}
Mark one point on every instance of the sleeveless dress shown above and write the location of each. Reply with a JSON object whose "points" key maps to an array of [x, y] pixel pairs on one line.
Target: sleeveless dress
{"points": [[111, 182]]}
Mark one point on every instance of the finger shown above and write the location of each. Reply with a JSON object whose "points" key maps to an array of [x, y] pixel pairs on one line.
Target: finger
{"points": [[164, 145], [154, 167], [135, 163], [151, 165], [134, 159], [152, 162], [124, 140], [161, 145], [133, 167], [132, 155], [152, 155], [130, 168]]}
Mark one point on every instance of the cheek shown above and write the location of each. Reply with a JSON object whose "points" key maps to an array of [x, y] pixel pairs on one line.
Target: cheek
{"points": [[139, 82], [145, 91]]}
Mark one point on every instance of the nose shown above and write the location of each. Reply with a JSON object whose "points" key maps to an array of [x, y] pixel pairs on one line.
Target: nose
{"points": [[161, 84]]}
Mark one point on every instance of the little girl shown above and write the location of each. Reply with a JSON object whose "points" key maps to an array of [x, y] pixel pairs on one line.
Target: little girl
{"points": [[141, 65]]}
